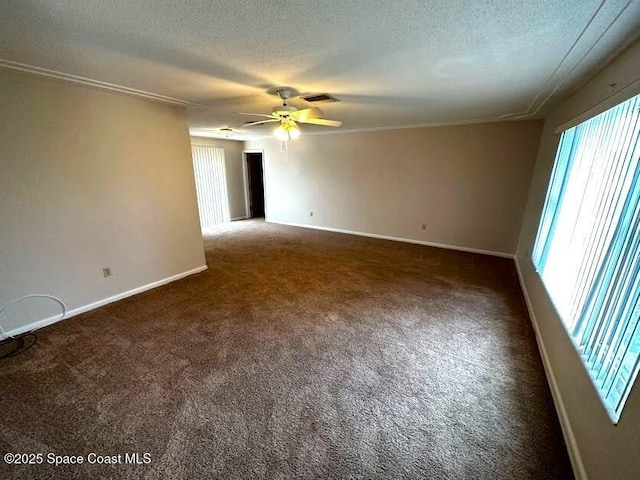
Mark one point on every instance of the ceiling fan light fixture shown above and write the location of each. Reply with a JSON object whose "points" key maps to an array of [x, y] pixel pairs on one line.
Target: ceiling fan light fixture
{"points": [[281, 133], [294, 132], [286, 132]]}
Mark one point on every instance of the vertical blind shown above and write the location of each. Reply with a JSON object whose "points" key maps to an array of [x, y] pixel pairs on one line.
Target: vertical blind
{"points": [[587, 250], [211, 185]]}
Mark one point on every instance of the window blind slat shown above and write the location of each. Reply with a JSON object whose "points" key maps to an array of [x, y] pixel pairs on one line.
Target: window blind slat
{"points": [[609, 219], [211, 185], [617, 349], [593, 243], [613, 317], [609, 283], [605, 282], [596, 240]]}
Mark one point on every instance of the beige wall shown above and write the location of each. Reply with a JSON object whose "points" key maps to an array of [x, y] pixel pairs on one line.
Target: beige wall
{"points": [[234, 166], [607, 451], [90, 179], [467, 184]]}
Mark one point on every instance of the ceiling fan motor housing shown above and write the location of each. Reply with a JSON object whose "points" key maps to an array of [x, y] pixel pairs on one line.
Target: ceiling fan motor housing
{"points": [[284, 110]]}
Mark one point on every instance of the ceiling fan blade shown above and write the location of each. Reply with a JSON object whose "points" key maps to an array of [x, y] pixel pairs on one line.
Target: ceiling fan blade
{"points": [[303, 115], [256, 115], [260, 122], [322, 121]]}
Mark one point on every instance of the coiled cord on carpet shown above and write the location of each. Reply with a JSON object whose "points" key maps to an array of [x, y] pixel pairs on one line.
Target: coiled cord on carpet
{"points": [[27, 340]]}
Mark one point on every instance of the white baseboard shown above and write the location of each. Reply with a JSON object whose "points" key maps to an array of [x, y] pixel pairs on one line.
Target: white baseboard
{"points": [[569, 438], [92, 306], [243, 217], [397, 239]]}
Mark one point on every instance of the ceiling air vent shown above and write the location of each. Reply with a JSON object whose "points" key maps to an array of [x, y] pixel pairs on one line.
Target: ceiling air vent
{"points": [[320, 97]]}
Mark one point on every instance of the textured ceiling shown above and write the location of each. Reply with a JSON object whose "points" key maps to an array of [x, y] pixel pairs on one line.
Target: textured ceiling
{"points": [[392, 64]]}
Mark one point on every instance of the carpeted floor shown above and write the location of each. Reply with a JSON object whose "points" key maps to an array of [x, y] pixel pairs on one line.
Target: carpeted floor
{"points": [[298, 354]]}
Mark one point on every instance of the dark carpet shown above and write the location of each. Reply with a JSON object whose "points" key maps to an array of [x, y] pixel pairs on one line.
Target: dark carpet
{"points": [[298, 354]]}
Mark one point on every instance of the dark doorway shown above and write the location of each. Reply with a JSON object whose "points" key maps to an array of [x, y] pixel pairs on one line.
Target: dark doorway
{"points": [[256, 184]]}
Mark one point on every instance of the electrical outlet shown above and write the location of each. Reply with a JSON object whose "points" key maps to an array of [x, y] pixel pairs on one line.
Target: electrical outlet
{"points": [[106, 271], [311, 214]]}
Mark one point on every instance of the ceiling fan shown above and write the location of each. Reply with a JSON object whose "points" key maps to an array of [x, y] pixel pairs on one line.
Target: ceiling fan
{"points": [[289, 116]]}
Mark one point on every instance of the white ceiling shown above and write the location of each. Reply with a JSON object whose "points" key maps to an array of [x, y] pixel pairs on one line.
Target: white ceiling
{"points": [[391, 63]]}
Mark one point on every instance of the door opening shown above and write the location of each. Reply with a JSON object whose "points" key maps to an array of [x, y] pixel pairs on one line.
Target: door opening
{"points": [[255, 182]]}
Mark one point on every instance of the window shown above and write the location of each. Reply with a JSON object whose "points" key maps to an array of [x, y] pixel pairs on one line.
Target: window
{"points": [[211, 185], [587, 250]]}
